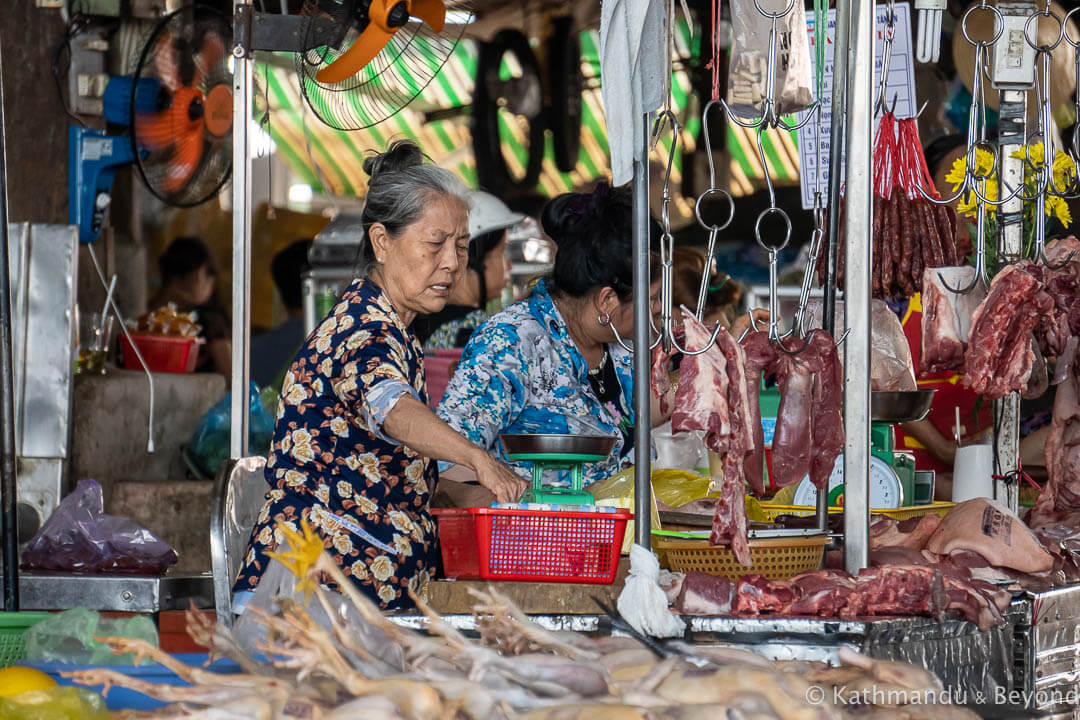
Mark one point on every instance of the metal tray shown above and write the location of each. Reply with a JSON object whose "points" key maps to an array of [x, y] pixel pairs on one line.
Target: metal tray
{"points": [[587, 447], [900, 406]]}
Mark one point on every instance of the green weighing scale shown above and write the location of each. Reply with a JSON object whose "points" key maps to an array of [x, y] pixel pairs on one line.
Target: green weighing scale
{"points": [[892, 471], [557, 452]]}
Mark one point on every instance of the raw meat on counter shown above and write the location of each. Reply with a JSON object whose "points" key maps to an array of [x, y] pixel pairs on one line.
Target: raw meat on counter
{"points": [[712, 397], [703, 594], [946, 319], [983, 526], [920, 588], [910, 533]]}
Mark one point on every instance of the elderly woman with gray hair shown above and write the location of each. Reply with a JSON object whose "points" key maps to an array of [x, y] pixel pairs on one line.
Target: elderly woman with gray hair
{"points": [[355, 445]]}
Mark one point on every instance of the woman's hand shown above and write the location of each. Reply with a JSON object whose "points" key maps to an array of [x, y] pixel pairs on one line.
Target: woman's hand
{"points": [[742, 323], [497, 477]]}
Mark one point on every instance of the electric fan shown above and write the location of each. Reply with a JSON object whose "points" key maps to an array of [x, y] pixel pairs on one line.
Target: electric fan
{"points": [[181, 107], [389, 52]]}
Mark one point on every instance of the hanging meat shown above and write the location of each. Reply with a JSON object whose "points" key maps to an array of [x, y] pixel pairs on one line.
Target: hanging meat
{"points": [[947, 316], [999, 358], [761, 355], [909, 233], [712, 397], [809, 430]]}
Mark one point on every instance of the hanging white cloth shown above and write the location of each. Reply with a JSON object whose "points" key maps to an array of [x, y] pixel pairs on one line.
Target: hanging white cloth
{"points": [[632, 37]]}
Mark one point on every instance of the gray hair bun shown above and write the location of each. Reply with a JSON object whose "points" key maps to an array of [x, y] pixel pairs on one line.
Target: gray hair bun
{"points": [[402, 155]]}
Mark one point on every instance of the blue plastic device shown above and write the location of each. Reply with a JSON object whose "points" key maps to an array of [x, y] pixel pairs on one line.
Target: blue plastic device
{"points": [[93, 155]]}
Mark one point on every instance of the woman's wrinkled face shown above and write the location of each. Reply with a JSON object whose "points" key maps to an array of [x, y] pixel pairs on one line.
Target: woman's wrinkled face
{"points": [[421, 264], [497, 269]]}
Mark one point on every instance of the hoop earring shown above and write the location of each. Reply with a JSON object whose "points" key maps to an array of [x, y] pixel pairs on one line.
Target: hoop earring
{"points": [[603, 319]]}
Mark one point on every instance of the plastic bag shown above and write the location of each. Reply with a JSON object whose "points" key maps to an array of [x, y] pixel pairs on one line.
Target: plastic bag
{"points": [[80, 537], [642, 602], [209, 446], [671, 487], [68, 637], [890, 355], [277, 588], [891, 366], [750, 58], [58, 703], [678, 451]]}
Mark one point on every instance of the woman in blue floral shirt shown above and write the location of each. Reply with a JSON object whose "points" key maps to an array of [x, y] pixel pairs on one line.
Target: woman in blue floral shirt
{"points": [[354, 442], [550, 363]]}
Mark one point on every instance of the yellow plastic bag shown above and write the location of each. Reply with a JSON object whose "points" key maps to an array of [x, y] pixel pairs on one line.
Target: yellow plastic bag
{"points": [[58, 703]]}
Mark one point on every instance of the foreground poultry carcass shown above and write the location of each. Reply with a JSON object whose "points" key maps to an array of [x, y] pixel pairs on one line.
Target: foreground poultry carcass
{"points": [[516, 669]]}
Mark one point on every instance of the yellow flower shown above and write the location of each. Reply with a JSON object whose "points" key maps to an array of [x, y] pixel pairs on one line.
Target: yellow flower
{"points": [[339, 427], [1032, 153], [303, 553], [359, 570], [326, 367], [969, 203], [984, 165], [366, 505], [344, 489], [1058, 208], [1064, 171], [294, 479]]}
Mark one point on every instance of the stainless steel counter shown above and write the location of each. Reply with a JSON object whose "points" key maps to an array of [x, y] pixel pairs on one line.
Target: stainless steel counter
{"points": [[115, 593]]}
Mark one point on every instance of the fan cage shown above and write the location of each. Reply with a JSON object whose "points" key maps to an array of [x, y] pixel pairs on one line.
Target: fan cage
{"points": [[394, 78], [191, 24]]}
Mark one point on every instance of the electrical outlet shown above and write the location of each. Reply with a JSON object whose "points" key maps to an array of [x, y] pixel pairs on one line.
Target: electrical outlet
{"points": [[87, 73], [1013, 66]]}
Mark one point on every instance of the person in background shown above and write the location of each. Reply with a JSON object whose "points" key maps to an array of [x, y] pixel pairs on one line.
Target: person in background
{"points": [[273, 351], [485, 276], [188, 277], [722, 296], [933, 440], [551, 363]]}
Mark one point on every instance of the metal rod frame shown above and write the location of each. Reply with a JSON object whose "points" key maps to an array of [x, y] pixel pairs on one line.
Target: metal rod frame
{"points": [[836, 157], [8, 482], [858, 221], [241, 235], [642, 318]]}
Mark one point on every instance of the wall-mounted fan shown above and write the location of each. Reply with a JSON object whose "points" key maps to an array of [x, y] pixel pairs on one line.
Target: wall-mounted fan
{"points": [[177, 109], [182, 134], [386, 53]]}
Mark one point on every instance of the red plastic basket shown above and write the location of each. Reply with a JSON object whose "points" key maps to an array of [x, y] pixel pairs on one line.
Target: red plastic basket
{"points": [[531, 545], [161, 353]]}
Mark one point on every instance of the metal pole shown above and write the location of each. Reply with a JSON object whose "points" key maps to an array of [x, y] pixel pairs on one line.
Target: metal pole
{"points": [[8, 484], [1012, 134], [858, 220], [241, 262], [836, 159], [642, 310]]}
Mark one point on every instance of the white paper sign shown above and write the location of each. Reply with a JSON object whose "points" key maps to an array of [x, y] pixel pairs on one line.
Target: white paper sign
{"points": [[901, 83]]}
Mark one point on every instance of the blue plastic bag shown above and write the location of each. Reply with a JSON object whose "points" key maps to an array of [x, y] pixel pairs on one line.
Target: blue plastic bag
{"points": [[209, 446]]}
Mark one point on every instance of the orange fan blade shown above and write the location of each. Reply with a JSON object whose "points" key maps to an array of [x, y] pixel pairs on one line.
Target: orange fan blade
{"points": [[432, 12], [159, 131], [360, 53], [166, 62], [185, 160], [210, 55]]}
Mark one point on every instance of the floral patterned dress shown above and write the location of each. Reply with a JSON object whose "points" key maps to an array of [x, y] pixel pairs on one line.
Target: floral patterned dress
{"points": [[331, 464], [522, 373]]}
